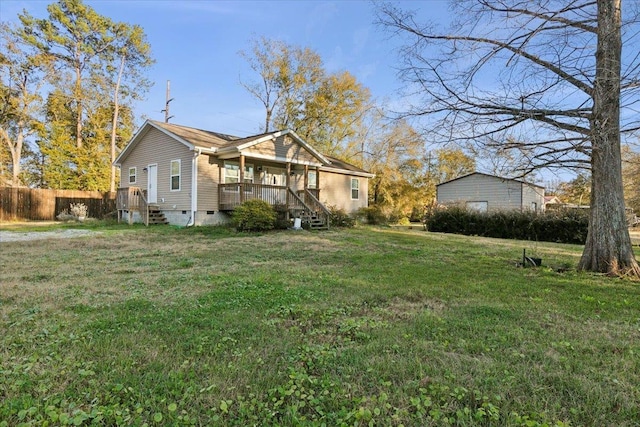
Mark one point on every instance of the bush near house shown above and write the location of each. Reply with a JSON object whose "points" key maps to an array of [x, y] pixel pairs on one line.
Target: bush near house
{"points": [[563, 226], [384, 215], [340, 218], [254, 215]]}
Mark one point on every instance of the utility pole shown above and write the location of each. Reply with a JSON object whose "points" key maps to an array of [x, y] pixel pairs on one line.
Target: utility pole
{"points": [[166, 104]]}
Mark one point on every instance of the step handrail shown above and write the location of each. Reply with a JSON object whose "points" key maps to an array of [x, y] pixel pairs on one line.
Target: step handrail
{"points": [[301, 204], [318, 208], [319, 205], [145, 207], [317, 202]]}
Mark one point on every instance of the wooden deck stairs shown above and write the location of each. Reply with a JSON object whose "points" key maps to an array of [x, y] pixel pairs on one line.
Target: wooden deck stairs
{"points": [[307, 207], [156, 216], [311, 219], [315, 221]]}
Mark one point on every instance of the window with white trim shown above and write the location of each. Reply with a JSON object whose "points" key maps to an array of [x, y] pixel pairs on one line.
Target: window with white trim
{"points": [[133, 173], [232, 172], [355, 189], [175, 175], [313, 179]]}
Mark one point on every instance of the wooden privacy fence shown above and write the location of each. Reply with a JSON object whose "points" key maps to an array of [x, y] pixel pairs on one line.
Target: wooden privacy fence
{"points": [[44, 205]]}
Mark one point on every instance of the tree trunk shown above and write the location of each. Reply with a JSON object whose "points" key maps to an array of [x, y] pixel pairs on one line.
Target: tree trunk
{"points": [[78, 96], [114, 125], [16, 156], [608, 247], [267, 120]]}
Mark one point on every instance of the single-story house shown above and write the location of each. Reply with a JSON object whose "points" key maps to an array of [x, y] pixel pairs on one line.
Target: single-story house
{"points": [[485, 193], [187, 176]]}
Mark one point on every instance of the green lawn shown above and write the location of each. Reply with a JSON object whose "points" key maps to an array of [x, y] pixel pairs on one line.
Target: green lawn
{"points": [[369, 326]]}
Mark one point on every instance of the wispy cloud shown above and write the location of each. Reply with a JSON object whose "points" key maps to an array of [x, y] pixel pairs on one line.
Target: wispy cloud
{"points": [[320, 17]]}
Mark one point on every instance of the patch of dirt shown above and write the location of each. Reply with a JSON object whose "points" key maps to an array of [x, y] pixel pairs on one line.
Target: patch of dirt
{"points": [[17, 236]]}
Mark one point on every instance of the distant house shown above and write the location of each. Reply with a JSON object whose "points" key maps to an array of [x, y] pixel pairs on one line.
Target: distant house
{"points": [[485, 193], [552, 202], [187, 176]]}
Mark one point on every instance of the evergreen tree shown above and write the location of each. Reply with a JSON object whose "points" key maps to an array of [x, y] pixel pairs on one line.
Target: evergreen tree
{"points": [[100, 72]]}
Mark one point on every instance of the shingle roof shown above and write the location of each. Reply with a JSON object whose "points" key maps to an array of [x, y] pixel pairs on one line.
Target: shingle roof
{"points": [[339, 164], [492, 176], [199, 137], [207, 139]]}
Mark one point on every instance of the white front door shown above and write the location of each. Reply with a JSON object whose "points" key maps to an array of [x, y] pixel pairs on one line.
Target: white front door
{"points": [[274, 176], [152, 184]]}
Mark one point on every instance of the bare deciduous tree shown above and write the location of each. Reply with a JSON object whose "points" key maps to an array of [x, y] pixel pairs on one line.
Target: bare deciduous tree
{"points": [[548, 74]]}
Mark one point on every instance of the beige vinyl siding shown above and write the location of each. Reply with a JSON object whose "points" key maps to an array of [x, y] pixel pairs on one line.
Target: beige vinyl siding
{"points": [[335, 190], [158, 148], [498, 193], [208, 179], [283, 148], [296, 181]]}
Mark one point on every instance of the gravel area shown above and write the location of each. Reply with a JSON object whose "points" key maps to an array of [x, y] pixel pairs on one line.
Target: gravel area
{"points": [[18, 236]]}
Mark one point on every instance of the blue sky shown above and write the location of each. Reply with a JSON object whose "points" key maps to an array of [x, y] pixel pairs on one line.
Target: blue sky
{"points": [[196, 44]]}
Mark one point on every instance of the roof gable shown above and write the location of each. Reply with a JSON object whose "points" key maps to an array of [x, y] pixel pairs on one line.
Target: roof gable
{"points": [[240, 145], [225, 145], [139, 136]]}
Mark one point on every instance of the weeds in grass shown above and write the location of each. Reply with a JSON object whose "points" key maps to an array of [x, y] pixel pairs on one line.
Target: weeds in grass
{"points": [[204, 326]]}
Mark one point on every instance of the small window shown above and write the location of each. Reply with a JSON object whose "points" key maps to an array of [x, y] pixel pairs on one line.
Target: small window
{"points": [[313, 179], [355, 189], [480, 206], [132, 175], [175, 175]]}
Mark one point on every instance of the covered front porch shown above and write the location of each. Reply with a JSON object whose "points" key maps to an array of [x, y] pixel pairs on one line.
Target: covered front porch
{"points": [[303, 204], [289, 187]]}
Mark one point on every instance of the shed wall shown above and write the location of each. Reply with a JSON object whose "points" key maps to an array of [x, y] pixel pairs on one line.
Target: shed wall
{"points": [[530, 195], [498, 193]]}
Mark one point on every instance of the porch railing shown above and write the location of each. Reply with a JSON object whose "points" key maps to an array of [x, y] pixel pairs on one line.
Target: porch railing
{"points": [[232, 195], [301, 202], [132, 199]]}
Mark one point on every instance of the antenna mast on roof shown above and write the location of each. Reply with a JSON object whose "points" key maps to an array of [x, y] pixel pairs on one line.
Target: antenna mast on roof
{"points": [[166, 104]]}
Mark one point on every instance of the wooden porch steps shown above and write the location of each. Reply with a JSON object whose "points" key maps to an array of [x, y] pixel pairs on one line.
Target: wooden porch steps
{"points": [[314, 221], [318, 224], [156, 216]]}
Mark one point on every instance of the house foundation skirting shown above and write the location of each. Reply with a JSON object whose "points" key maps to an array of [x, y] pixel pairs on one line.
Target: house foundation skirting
{"points": [[177, 217], [216, 218]]}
